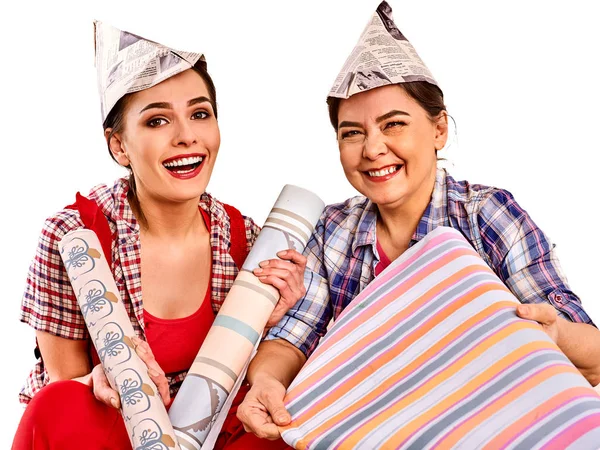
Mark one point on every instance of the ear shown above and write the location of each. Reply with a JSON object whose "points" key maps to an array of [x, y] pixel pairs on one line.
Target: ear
{"points": [[116, 147], [441, 130]]}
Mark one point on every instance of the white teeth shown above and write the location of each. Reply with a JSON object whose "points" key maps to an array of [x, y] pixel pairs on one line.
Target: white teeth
{"points": [[184, 161], [383, 172]]}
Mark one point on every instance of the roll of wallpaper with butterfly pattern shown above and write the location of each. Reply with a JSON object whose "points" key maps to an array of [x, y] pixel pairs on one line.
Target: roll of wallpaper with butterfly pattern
{"points": [[111, 332], [432, 355], [219, 368]]}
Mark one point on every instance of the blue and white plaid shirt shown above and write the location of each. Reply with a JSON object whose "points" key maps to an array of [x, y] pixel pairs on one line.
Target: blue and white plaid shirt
{"points": [[342, 255]]}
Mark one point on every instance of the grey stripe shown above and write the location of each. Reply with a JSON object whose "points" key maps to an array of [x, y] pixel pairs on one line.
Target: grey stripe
{"points": [[385, 343], [182, 442], [258, 290], [217, 365], [400, 278], [416, 377], [241, 328], [287, 225], [557, 423], [293, 215], [588, 441], [482, 398]]}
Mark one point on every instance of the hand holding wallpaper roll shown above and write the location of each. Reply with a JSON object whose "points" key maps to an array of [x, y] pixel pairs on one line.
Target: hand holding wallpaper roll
{"points": [[432, 355], [238, 327], [111, 332]]}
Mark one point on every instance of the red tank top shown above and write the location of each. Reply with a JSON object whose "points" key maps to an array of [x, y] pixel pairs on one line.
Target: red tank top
{"points": [[175, 342], [384, 261]]}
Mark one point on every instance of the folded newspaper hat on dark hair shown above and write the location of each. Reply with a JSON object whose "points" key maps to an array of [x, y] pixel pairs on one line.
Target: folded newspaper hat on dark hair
{"points": [[382, 56], [128, 63]]}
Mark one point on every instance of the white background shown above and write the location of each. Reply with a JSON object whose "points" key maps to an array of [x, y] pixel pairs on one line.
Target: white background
{"points": [[520, 79]]}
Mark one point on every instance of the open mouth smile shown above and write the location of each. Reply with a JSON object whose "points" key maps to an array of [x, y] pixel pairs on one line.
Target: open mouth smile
{"points": [[184, 166], [384, 173]]}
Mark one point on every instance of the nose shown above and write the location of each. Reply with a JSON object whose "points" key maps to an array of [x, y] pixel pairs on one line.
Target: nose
{"points": [[374, 146], [185, 135]]}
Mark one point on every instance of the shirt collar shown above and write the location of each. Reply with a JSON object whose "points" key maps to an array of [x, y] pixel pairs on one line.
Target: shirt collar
{"points": [[365, 230], [435, 215]]}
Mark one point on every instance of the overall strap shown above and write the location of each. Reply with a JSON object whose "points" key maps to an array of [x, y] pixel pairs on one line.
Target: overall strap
{"points": [[94, 219], [237, 226]]}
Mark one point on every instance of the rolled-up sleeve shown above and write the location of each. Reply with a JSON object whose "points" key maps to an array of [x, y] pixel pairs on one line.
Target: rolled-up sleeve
{"points": [[525, 258], [49, 303]]}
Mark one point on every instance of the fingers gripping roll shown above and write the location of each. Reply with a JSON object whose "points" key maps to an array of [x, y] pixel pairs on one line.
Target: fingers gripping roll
{"points": [[113, 336], [238, 326]]}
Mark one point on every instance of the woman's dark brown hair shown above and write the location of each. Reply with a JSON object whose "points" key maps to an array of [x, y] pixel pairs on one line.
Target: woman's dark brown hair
{"points": [[116, 122], [428, 96]]}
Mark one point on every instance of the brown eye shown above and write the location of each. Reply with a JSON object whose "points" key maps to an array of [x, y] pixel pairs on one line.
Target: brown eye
{"points": [[199, 115], [156, 122], [395, 124], [351, 133]]}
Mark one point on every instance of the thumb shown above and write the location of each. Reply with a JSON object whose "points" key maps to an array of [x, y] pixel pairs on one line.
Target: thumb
{"points": [[524, 311], [278, 412]]}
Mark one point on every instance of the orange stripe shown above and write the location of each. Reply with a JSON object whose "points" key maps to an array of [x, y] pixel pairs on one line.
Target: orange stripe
{"points": [[400, 290], [524, 422], [391, 352], [384, 329], [492, 408], [463, 361], [387, 384]]}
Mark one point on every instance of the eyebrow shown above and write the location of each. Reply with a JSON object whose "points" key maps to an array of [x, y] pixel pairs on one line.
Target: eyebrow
{"points": [[167, 105], [395, 112]]}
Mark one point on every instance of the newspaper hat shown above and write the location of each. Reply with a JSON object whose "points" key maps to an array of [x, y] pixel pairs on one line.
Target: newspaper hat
{"points": [[382, 56], [128, 63]]}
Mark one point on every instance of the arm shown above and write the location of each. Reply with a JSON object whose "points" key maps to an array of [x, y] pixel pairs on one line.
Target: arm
{"points": [[525, 259], [64, 359], [578, 341], [287, 345], [271, 372], [49, 305]]}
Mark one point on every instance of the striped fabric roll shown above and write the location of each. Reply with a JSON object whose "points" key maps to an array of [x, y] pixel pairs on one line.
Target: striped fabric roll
{"points": [[201, 406], [432, 355]]}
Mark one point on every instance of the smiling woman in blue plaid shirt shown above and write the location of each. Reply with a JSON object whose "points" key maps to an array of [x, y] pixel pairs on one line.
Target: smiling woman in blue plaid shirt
{"points": [[388, 139]]}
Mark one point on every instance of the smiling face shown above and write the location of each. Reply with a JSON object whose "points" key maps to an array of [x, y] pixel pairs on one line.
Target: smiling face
{"points": [[170, 139], [388, 146]]}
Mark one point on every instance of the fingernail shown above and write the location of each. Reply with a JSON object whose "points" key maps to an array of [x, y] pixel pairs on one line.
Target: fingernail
{"points": [[113, 402], [282, 418], [523, 309], [153, 373], [282, 253], [263, 263], [258, 270]]}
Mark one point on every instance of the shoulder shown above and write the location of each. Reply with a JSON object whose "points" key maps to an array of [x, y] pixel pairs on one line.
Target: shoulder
{"points": [[346, 215], [483, 200], [109, 199], [60, 223], [112, 199]]}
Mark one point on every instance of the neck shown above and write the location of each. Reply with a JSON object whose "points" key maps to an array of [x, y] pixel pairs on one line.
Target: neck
{"points": [[399, 222], [173, 220]]}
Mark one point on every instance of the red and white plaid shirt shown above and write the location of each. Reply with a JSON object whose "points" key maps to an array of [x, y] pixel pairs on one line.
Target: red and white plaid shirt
{"points": [[49, 303]]}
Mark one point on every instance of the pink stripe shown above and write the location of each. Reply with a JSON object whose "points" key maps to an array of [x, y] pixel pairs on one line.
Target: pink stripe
{"points": [[391, 297], [371, 342], [574, 432], [539, 419], [487, 405], [456, 358]]}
